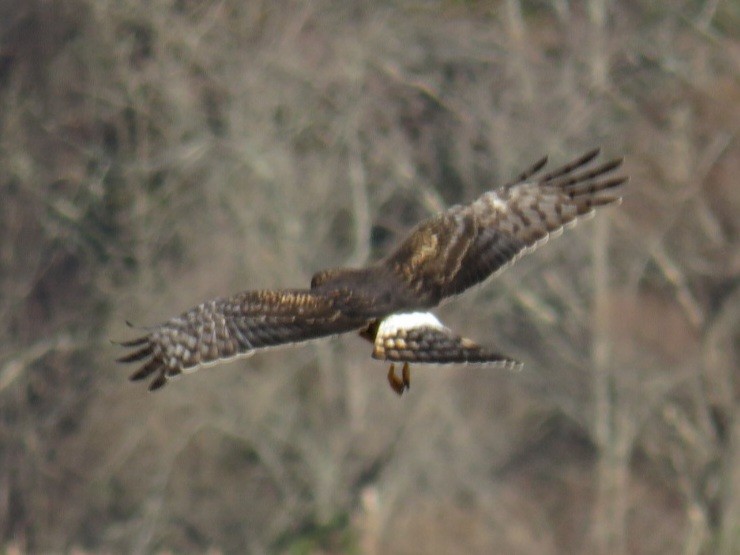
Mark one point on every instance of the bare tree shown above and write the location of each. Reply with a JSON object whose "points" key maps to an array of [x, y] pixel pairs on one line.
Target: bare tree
{"points": [[157, 154]]}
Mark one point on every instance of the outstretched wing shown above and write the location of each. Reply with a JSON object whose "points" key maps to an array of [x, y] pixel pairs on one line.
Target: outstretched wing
{"points": [[421, 337], [223, 329], [466, 244]]}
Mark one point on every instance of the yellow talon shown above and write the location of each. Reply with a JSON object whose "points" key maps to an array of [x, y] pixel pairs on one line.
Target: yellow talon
{"points": [[399, 384], [395, 382]]}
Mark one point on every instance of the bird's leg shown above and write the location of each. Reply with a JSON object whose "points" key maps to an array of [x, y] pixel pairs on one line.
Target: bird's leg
{"points": [[402, 383], [395, 382]]}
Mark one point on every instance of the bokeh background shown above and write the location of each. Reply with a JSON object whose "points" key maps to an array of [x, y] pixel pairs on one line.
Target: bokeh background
{"points": [[155, 154]]}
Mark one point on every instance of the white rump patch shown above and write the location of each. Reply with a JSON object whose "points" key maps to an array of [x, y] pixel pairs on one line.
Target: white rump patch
{"points": [[407, 321]]}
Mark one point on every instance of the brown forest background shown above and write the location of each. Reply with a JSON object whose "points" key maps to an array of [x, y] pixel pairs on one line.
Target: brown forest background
{"points": [[155, 154]]}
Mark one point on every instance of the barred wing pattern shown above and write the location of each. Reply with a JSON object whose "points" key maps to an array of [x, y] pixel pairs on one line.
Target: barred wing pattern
{"points": [[467, 244], [226, 328]]}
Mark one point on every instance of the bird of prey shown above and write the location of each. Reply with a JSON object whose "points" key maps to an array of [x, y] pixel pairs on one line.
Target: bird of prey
{"points": [[388, 301]]}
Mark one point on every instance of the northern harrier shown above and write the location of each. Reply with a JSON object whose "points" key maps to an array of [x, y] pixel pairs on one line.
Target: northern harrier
{"points": [[387, 302]]}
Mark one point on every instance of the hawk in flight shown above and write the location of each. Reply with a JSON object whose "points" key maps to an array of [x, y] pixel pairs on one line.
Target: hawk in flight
{"points": [[387, 302]]}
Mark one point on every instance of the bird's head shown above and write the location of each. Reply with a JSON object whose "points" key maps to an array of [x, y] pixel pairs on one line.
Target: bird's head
{"points": [[326, 276]]}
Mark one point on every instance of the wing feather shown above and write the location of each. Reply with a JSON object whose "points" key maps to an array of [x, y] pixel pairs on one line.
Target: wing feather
{"points": [[226, 328], [467, 244], [516, 219]]}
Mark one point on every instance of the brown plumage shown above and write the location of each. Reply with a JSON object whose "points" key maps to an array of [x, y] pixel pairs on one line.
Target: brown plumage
{"points": [[442, 257]]}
